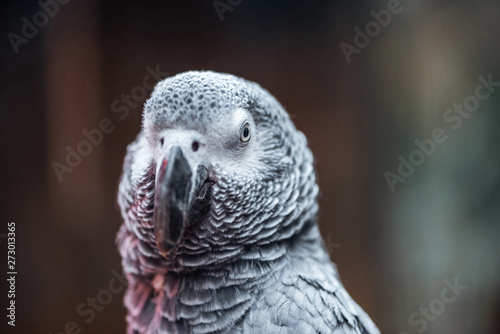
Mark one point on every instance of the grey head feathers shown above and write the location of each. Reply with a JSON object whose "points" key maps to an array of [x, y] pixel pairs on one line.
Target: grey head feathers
{"points": [[263, 191]]}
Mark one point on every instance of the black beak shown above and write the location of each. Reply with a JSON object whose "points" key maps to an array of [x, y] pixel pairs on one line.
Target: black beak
{"points": [[178, 200]]}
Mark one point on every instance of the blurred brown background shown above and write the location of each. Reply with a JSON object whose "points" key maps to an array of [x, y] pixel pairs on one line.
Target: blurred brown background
{"points": [[396, 250]]}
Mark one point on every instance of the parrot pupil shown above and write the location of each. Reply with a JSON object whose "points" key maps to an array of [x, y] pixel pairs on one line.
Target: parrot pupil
{"points": [[195, 146], [245, 132]]}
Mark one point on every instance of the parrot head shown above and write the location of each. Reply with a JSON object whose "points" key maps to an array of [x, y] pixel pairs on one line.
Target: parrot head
{"points": [[228, 171]]}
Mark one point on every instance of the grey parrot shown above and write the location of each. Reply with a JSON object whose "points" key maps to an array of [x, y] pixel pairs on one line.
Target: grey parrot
{"points": [[220, 235]]}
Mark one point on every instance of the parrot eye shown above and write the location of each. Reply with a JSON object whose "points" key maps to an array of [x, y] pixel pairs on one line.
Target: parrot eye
{"points": [[245, 132], [161, 142]]}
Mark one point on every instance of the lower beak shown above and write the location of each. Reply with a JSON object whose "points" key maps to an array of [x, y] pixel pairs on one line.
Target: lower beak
{"points": [[176, 190]]}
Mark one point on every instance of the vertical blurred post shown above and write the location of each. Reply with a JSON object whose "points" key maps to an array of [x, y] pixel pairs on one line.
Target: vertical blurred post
{"points": [[79, 236], [73, 97]]}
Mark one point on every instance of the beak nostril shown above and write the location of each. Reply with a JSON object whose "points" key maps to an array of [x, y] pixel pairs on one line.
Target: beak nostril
{"points": [[195, 146]]}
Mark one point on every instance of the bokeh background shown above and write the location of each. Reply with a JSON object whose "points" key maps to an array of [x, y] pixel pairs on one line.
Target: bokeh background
{"points": [[395, 250]]}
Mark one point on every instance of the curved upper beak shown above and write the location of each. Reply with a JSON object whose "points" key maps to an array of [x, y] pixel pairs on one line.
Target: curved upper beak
{"points": [[177, 189]]}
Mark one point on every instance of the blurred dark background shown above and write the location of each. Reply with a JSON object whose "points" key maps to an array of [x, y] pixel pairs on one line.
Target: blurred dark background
{"points": [[397, 249]]}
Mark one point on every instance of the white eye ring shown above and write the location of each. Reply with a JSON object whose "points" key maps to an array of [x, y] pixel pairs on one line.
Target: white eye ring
{"points": [[245, 132]]}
